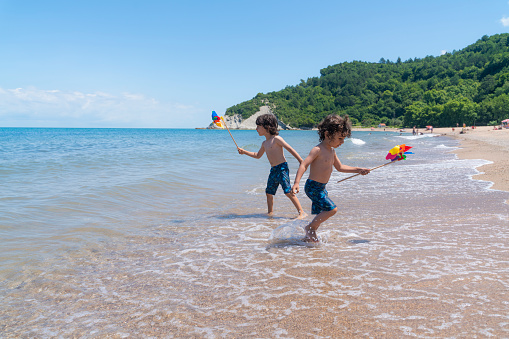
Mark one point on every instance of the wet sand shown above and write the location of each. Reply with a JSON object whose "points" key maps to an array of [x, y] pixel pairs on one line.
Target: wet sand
{"points": [[434, 268]]}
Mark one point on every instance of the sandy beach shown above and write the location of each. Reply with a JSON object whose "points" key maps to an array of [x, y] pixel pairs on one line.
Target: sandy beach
{"points": [[481, 142]]}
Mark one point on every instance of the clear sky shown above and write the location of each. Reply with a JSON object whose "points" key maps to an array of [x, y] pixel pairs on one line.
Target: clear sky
{"points": [[155, 63]]}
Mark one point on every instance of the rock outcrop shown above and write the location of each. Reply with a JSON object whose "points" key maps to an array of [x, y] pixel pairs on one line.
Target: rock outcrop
{"points": [[236, 121]]}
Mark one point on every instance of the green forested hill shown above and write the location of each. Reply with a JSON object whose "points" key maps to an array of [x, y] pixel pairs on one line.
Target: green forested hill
{"points": [[469, 86]]}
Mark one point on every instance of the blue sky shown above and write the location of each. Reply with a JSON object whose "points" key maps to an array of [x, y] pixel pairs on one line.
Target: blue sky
{"points": [[170, 63]]}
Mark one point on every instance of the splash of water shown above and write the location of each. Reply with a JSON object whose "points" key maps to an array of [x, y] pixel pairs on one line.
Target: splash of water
{"points": [[358, 142]]}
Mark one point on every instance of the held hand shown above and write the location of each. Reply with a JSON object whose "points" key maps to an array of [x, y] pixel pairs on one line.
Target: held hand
{"points": [[364, 171], [295, 188], [240, 150]]}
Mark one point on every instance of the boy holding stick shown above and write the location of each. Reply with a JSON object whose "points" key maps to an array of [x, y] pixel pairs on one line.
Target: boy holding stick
{"points": [[332, 131]]}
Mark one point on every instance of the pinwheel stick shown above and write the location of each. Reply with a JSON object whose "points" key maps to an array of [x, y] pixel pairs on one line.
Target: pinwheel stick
{"points": [[374, 168], [229, 132]]}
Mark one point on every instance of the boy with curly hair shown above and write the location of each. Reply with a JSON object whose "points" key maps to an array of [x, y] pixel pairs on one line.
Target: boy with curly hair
{"points": [[266, 125], [332, 132]]}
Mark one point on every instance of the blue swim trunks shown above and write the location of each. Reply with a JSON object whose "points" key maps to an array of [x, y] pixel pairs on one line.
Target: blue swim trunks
{"points": [[318, 194], [279, 175]]}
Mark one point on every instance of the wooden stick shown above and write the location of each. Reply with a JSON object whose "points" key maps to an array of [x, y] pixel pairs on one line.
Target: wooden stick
{"points": [[374, 168], [229, 132]]}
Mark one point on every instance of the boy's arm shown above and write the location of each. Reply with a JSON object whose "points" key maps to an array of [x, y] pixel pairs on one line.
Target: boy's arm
{"points": [[303, 168], [256, 155], [289, 148], [348, 169]]}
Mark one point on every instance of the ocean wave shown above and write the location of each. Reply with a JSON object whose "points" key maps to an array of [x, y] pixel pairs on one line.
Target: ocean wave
{"points": [[446, 147], [415, 137], [358, 142]]}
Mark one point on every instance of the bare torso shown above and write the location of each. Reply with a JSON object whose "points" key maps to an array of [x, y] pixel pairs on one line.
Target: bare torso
{"points": [[274, 151], [321, 168]]}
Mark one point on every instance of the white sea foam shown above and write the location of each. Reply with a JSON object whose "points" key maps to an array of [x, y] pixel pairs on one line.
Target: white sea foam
{"points": [[256, 190], [442, 146], [357, 142], [415, 137]]}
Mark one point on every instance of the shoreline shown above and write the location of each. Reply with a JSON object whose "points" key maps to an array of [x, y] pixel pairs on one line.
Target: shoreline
{"points": [[481, 142], [485, 143]]}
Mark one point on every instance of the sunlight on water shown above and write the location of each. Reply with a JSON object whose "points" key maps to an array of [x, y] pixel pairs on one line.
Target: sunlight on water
{"points": [[116, 233]]}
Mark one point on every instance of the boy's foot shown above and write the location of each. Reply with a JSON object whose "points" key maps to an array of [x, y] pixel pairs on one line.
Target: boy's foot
{"points": [[302, 215], [270, 214], [310, 235]]}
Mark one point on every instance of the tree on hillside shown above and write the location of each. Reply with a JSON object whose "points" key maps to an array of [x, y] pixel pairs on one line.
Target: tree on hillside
{"points": [[467, 86]]}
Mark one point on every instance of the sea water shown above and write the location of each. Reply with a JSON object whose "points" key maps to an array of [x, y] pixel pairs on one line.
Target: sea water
{"points": [[164, 233]]}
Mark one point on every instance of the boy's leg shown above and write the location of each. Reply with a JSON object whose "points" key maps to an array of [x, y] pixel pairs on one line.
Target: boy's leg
{"points": [[284, 180], [270, 191], [270, 204], [316, 222], [293, 198], [322, 206]]}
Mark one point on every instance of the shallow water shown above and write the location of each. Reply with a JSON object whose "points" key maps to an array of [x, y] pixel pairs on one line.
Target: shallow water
{"points": [[163, 233]]}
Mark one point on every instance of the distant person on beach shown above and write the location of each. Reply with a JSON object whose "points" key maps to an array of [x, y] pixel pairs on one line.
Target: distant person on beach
{"points": [[414, 131], [332, 132], [266, 125]]}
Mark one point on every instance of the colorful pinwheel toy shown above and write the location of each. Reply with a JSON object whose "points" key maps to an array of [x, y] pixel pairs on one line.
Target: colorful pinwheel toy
{"points": [[398, 152], [216, 119], [219, 122]]}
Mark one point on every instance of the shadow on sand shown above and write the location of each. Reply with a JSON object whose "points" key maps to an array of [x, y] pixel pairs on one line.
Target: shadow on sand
{"points": [[248, 216], [358, 241], [291, 243]]}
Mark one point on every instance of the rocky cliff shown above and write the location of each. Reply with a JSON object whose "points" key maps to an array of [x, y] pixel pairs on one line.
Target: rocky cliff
{"points": [[236, 121]]}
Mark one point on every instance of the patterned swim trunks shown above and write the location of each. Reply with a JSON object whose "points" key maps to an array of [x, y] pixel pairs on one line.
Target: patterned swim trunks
{"points": [[318, 194], [279, 175]]}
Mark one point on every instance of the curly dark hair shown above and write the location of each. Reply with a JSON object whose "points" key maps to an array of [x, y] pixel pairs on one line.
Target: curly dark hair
{"points": [[333, 124], [269, 122]]}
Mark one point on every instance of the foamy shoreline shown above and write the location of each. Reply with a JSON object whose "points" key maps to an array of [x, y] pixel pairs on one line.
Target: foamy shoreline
{"points": [[484, 143], [481, 142]]}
